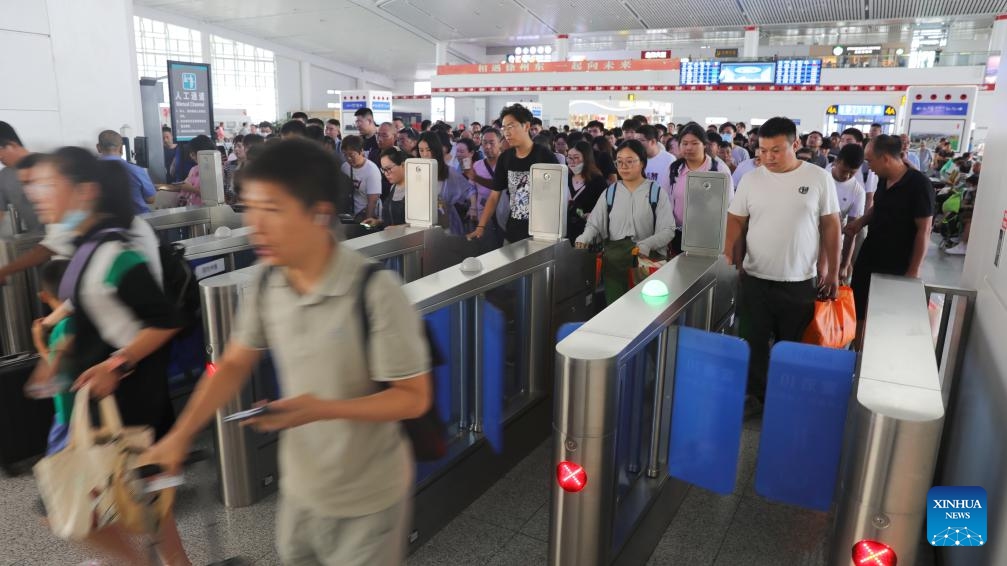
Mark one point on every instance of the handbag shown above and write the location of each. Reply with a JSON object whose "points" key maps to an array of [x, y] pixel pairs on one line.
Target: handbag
{"points": [[85, 486], [835, 322]]}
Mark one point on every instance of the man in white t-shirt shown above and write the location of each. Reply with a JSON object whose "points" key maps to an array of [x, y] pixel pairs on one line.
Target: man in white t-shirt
{"points": [[782, 213], [365, 177], [852, 201], [868, 177], [658, 159]]}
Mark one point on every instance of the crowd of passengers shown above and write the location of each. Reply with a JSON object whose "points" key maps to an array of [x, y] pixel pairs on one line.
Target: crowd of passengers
{"points": [[808, 213]]}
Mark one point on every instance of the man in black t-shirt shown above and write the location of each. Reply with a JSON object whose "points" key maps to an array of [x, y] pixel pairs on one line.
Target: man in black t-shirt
{"points": [[367, 128], [899, 221], [512, 173]]}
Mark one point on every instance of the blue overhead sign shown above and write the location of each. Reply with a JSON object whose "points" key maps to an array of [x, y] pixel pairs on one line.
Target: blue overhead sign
{"points": [[940, 109], [379, 105], [354, 104]]}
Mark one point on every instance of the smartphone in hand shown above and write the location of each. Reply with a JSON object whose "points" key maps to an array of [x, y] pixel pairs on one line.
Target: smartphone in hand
{"points": [[247, 414]]}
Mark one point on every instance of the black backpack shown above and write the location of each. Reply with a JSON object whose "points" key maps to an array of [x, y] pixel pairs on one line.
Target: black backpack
{"points": [[428, 433], [179, 283]]}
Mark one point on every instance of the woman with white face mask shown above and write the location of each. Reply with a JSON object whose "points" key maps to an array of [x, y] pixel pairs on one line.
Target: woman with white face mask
{"points": [[122, 321], [586, 184]]}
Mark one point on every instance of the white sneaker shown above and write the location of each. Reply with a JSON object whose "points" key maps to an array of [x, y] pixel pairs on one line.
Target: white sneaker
{"points": [[960, 249]]}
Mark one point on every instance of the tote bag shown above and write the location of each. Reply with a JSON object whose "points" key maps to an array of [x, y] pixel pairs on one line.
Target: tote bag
{"points": [[80, 485]]}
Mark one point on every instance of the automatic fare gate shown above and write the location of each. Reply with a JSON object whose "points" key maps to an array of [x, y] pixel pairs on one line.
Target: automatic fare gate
{"points": [[862, 442], [613, 403], [496, 317], [246, 459]]}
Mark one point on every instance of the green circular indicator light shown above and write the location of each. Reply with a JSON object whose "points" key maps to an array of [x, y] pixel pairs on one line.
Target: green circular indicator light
{"points": [[655, 289]]}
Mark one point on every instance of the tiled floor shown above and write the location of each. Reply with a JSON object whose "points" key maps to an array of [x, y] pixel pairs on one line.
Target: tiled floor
{"points": [[940, 268], [508, 525], [246, 532]]}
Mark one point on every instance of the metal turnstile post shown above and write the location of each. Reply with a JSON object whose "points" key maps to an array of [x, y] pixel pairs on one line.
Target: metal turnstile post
{"points": [[243, 464], [18, 298], [894, 427]]}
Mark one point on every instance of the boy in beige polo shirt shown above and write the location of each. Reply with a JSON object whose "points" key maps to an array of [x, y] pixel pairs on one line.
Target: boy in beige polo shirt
{"points": [[346, 469]]}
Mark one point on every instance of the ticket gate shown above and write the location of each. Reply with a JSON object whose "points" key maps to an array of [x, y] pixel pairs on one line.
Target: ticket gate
{"points": [[247, 460], [858, 436], [612, 403], [494, 321], [182, 223], [19, 303]]}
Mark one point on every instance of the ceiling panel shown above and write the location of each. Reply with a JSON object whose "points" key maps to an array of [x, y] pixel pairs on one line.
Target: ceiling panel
{"points": [[471, 19], [216, 10], [422, 20], [934, 8], [706, 13], [582, 16], [797, 11]]}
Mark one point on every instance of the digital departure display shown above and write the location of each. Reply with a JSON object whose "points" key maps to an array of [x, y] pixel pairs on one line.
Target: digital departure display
{"points": [[747, 73], [799, 72], [699, 73]]}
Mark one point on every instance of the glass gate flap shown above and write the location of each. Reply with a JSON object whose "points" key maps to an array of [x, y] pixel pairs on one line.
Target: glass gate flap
{"points": [[494, 329], [802, 428], [711, 371], [439, 323]]}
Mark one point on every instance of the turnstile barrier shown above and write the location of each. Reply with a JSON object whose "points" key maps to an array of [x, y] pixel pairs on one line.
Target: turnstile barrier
{"points": [[19, 303]]}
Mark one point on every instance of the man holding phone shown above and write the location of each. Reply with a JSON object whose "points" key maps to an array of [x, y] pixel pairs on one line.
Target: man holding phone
{"points": [[346, 468]]}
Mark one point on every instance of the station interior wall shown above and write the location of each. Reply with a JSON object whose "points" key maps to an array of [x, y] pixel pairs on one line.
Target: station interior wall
{"points": [[62, 82], [740, 105], [976, 453], [305, 87]]}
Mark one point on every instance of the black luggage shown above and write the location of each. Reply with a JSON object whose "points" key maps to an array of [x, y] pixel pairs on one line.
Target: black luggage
{"points": [[24, 423]]}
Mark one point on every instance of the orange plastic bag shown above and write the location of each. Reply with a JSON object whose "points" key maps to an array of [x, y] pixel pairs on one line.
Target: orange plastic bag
{"points": [[835, 321]]}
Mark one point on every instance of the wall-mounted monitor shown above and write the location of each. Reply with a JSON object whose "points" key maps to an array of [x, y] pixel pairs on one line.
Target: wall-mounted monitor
{"points": [[748, 73], [799, 72], [699, 73]]}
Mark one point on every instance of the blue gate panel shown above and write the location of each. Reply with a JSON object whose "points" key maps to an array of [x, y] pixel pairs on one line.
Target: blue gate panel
{"points": [[802, 424], [439, 323], [494, 337], [566, 330], [711, 371]]}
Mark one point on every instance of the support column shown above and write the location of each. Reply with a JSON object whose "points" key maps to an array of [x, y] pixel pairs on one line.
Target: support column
{"points": [[305, 86], [751, 48], [441, 53], [561, 51], [998, 39]]}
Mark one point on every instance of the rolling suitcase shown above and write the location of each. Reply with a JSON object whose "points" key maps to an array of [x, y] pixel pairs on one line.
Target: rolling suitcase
{"points": [[24, 423]]}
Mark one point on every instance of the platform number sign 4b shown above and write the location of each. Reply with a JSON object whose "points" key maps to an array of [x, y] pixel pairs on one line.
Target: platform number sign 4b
{"points": [[956, 516]]}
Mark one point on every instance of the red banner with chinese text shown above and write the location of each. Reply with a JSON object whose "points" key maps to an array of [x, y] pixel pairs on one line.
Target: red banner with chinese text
{"points": [[561, 67]]}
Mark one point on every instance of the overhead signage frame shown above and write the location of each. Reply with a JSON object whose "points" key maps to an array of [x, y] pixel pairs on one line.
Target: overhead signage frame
{"points": [[190, 96]]}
